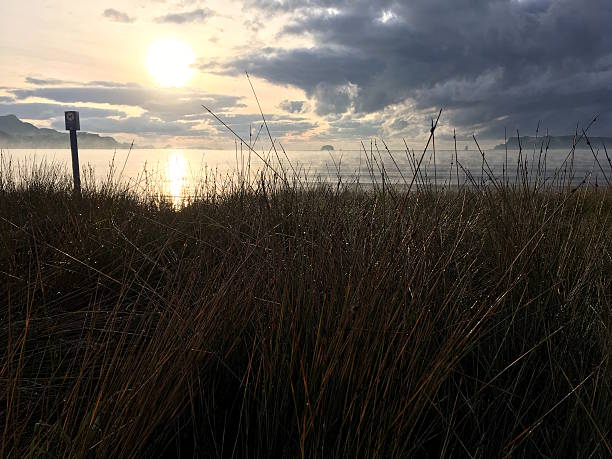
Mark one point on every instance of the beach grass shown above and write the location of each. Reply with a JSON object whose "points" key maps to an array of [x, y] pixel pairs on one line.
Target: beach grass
{"points": [[286, 318]]}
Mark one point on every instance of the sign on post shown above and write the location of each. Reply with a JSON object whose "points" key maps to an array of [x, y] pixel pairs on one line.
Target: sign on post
{"points": [[73, 125]]}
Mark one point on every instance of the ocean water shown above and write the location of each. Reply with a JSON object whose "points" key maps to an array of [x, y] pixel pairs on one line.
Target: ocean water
{"points": [[181, 172]]}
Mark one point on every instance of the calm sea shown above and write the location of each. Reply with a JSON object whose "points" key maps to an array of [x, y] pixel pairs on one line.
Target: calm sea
{"points": [[177, 172]]}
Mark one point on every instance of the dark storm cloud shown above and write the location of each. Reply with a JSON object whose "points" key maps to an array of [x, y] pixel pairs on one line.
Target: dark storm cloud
{"points": [[490, 63], [197, 15], [117, 16], [292, 5]]}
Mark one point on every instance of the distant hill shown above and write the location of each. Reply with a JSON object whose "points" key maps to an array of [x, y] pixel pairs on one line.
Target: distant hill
{"points": [[14, 133], [562, 142], [4, 138], [327, 148]]}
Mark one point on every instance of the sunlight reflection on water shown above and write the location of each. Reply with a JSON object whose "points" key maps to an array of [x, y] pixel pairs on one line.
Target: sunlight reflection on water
{"points": [[176, 174]]}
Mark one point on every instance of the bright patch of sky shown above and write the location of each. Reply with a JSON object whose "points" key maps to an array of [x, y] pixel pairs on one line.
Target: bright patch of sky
{"points": [[386, 16]]}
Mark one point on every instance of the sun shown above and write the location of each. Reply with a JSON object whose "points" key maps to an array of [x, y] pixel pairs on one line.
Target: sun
{"points": [[169, 61]]}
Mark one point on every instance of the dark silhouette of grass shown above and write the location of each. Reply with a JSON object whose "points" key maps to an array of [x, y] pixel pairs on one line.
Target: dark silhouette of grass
{"points": [[285, 317]]}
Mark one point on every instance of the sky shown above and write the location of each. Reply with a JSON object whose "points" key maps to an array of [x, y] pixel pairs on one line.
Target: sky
{"points": [[324, 71]]}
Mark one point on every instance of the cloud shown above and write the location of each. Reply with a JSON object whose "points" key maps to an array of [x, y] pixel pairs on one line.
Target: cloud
{"points": [[489, 63], [36, 81], [399, 124], [197, 15], [117, 16], [139, 125], [293, 106], [279, 125], [146, 125], [321, 72], [45, 81], [45, 111], [164, 113], [165, 104], [293, 5], [253, 24], [354, 128]]}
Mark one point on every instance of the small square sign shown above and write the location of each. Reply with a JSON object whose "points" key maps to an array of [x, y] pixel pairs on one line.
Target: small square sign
{"points": [[72, 121]]}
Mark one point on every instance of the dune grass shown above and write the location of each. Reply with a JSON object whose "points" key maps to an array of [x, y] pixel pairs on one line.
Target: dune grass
{"points": [[284, 319]]}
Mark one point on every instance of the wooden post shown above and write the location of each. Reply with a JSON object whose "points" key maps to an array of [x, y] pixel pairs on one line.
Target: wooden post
{"points": [[73, 125]]}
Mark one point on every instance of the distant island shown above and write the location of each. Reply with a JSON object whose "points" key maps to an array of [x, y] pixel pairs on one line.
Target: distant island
{"points": [[327, 148], [15, 133], [563, 142]]}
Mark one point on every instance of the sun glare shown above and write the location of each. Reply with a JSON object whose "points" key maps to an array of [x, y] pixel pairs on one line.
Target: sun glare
{"points": [[169, 61]]}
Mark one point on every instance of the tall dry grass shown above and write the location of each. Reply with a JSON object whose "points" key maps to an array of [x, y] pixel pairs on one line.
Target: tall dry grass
{"points": [[286, 318]]}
